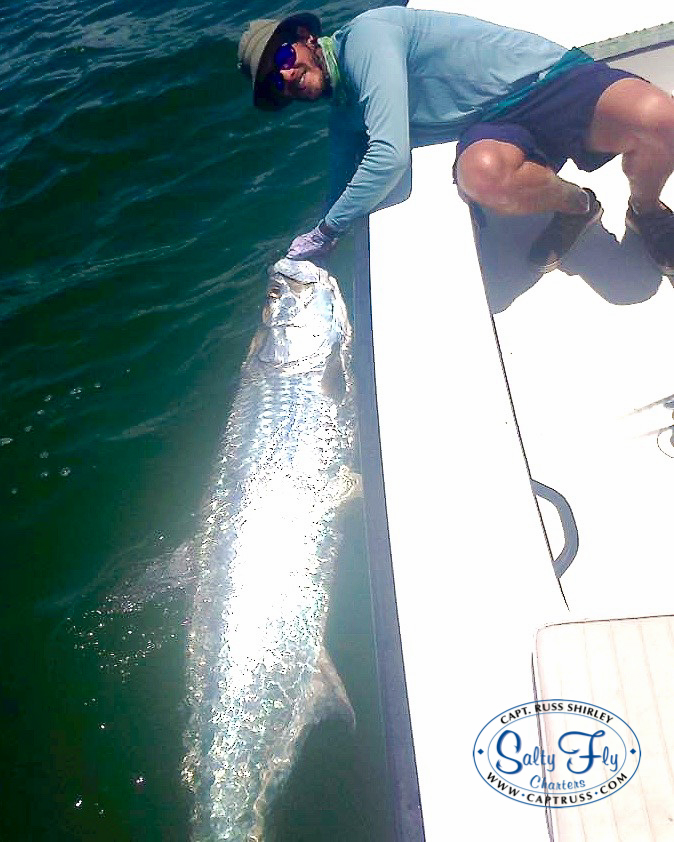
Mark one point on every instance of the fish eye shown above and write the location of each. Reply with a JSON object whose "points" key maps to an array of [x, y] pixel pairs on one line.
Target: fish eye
{"points": [[275, 291]]}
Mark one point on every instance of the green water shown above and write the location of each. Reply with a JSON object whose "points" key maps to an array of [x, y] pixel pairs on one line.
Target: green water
{"points": [[141, 199]]}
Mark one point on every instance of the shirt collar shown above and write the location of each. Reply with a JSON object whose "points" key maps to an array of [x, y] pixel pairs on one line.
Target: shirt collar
{"points": [[327, 45]]}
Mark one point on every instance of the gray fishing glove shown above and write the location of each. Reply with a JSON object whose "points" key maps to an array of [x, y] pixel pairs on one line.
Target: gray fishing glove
{"points": [[317, 241]]}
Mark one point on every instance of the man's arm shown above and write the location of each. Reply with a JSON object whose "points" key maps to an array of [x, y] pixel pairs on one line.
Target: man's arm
{"points": [[375, 59], [347, 148]]}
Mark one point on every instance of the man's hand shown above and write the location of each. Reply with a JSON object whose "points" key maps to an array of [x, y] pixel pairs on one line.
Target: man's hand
{"points": [[320, 240]]}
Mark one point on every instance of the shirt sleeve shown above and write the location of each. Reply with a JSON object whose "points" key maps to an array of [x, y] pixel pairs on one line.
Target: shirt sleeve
{"points": [[375, 63], [347, 148]]}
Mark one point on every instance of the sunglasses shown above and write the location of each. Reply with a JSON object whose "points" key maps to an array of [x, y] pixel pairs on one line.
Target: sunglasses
{"points": [[284, 58]]}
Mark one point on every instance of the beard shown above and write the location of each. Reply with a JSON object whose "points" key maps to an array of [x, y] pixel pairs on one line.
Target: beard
{"points": [[323, 67]]}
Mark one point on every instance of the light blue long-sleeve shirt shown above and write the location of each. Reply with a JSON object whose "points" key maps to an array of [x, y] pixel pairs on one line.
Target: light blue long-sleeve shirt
{"points": [[409, 77]]}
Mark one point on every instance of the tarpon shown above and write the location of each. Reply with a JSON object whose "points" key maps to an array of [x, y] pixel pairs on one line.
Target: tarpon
{"points": [[259, 675]]}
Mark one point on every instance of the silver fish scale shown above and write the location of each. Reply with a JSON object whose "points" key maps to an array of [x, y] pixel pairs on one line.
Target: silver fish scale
{"points": [[267, 556]]}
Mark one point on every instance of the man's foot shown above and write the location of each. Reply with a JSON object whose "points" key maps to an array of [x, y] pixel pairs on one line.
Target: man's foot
{"points": [[656, 229], [561, 233]]}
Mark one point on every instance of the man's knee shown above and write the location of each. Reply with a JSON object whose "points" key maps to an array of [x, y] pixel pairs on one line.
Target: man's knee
{"points": [[631, 113], [485, 170], [658, 117], [652, 116]]}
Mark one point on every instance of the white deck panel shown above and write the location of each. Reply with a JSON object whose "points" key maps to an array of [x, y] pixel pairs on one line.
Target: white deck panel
{"points": [[574, 24], [472, 570], [471, 566], [626, 667], [656, 66]]}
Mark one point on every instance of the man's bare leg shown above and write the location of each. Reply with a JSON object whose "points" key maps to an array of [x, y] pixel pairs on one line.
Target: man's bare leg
{"points": [[632, 118], [636, 119], [497, 176]]}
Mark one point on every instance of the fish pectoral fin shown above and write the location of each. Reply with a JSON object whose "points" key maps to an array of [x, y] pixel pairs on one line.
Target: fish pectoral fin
{"points": [[355, 484], [159, 575], [328, 695], [326, 699], [346, 486], [333, 381]]}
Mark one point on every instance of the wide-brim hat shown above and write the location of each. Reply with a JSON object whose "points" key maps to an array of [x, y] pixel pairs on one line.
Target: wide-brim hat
{"points": [[256, 50]]}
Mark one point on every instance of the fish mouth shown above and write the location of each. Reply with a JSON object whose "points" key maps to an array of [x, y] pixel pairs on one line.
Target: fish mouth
{"points": [[286, 299], [299, 295], [303, 317]]}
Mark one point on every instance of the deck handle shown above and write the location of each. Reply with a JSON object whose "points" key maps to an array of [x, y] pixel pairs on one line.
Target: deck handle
{"points": [[563, 561]]}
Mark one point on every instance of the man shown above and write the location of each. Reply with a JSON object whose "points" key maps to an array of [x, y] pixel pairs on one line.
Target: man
{"points": [[518, 104]]}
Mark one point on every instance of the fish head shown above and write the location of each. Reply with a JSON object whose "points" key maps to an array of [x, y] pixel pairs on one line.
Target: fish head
{"points": [[304, 317]]}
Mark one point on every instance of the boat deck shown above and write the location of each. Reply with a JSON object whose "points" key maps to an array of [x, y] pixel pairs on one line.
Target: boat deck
{"points": [[481, 386]]}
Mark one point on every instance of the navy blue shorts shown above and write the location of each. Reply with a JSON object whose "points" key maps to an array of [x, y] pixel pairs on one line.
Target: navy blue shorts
{"points": [[551, 124]]}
